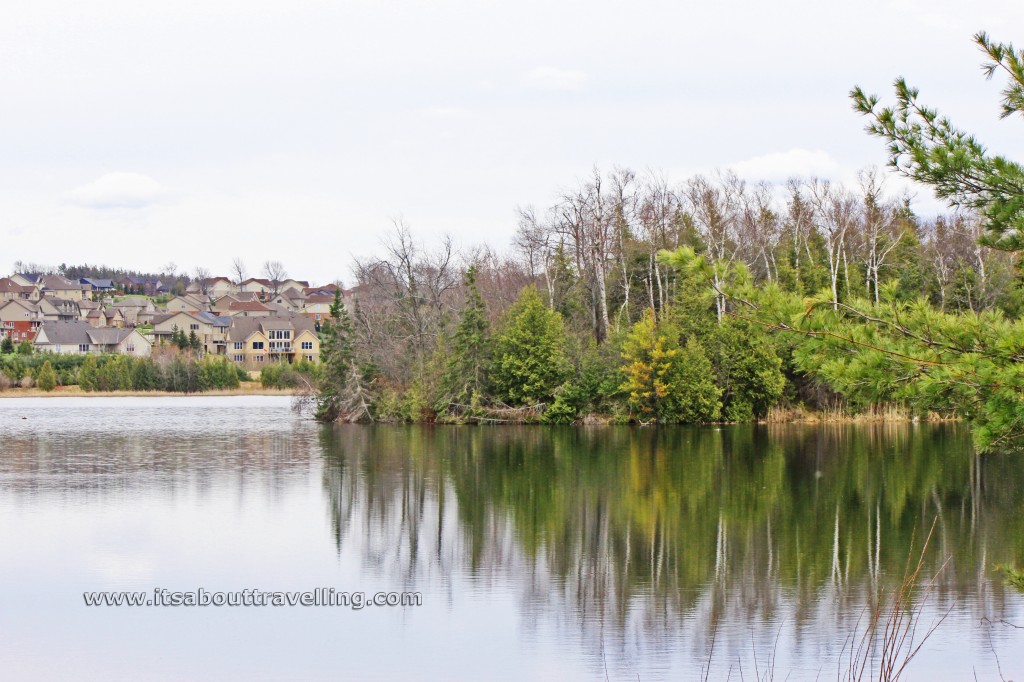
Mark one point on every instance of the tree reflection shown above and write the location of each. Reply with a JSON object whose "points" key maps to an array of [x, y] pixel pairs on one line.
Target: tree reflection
{"points": [[652, 526]]}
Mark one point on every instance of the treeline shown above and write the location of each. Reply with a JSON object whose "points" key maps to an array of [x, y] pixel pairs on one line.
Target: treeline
{"points": [[171, 372], [591, 316]]}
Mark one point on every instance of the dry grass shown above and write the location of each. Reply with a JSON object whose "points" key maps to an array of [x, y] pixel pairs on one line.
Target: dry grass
{"points": [[889, 640], [882, 412]]}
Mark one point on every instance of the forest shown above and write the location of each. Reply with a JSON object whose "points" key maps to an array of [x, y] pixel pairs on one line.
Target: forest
{"points": [[634, 299]]}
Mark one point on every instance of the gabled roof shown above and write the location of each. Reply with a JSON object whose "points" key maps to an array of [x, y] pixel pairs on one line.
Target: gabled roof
{"points": [[58, 283], [108, 336], [33, 277], [248, 306], [27, 305], [244, 327], [264, 282], [76, 332], [96, 283], [293, 294], [8, 285]]}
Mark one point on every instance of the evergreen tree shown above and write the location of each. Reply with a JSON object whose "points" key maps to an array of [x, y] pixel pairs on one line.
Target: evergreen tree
{"points": [[651, 370], [697, 399], [466, 374], [25, 348], [7, 346], [341, 392], [88, 374], [193, 341], [530, 360], [928, 148], [47, 379]]}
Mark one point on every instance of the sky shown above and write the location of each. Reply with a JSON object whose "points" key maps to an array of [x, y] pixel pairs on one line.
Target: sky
{"points": [[142, 133]]}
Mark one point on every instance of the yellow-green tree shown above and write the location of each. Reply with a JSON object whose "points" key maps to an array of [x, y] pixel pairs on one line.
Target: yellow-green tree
{"points": [[650, 368], [47, 379]]}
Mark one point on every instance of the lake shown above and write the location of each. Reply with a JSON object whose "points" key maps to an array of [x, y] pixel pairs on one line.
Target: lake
{"points": [[541, 553]]}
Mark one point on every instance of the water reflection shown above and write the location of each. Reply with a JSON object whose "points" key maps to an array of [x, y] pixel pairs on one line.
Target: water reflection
{"points": [[636, 535], [560, 552]]}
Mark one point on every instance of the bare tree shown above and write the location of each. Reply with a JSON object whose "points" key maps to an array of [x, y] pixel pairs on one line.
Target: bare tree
{"points": [[201, 276], [275, 273], [715, 207], [835, 213], [238, 269], [882, 230]]}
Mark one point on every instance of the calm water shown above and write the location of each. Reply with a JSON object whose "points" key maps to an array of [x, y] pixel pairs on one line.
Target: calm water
{"points": [[561, 554]]}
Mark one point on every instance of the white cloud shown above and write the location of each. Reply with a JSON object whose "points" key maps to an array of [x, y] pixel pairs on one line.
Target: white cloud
{"points": [[119, 190], [796, 163], [550, 78]]}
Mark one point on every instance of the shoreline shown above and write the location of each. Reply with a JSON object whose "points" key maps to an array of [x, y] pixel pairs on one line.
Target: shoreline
{"points": [[73, 391]]}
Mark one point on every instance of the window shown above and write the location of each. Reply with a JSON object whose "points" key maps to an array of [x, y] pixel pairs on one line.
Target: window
{"points": [[307, 345], [258, 358], [83, 348], [257, 345], [239, 358], [309, 358], [194, 327], [130, 348], [239, 345]]}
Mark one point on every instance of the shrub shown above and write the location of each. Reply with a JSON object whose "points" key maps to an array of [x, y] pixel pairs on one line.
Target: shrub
{"points": [[47, 379]]}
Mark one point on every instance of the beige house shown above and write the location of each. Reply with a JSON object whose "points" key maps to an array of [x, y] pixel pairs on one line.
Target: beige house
{"points": [[211, 329], [78, 338], [189, 303], [10, 290], [318, 306], [256, 286], [255, 341], [294, 300], [213, 287], [59, 287], [136, 309]]}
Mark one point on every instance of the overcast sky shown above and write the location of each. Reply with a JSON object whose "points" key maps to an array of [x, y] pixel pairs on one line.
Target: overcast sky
{"points": [[138, 133]]}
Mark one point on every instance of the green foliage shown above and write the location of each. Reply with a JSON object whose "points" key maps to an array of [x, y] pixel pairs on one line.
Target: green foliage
{"points": [[281, 375], [47, 379], [88, 374], [341, 391], [6, 345], [928, 148], [749, 371], [469, 353], [530, 361], [25, 348]]}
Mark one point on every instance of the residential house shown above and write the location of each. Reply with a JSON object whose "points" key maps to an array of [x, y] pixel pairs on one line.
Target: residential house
{"points": [[28, 279], [98, 287], [211, 330], [213, 287], [56, 286], [106, 317], [291, 298], [9, 290], [257, 286], [147, 286], [19, 320], [292, 284], [136, 310], [189, 303], [79, 338], [318, 306], [59, 309], [249, 309], [255, 341]]}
